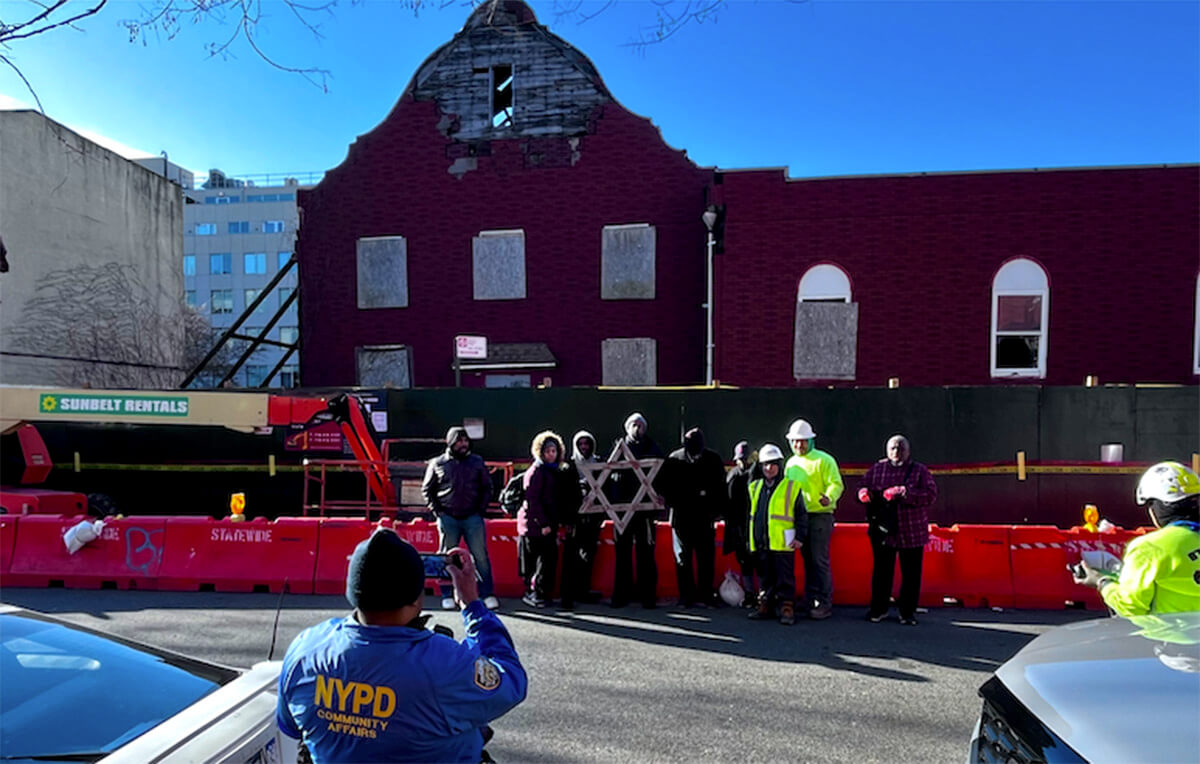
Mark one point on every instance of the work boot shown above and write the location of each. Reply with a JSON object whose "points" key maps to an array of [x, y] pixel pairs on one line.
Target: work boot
{"points": [[762, 612], [787, 615], [820, 612]]}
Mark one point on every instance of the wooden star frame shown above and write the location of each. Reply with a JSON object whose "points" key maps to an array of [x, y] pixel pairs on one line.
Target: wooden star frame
{"points": [[596, 473]]}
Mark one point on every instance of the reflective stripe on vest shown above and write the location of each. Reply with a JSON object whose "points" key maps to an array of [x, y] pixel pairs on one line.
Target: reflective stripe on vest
{"points": [[787, 515]]}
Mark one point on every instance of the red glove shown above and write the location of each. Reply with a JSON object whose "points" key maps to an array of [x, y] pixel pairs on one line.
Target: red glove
{"points": [[864, 495], [893, 492]]}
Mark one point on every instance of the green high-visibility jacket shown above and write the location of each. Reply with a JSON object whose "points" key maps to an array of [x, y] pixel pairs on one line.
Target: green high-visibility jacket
{"points": [[782, 513], [823, 479], [1159, 574]]}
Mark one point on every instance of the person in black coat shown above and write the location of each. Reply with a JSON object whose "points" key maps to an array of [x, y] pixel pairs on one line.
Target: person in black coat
{"points": [[621, 487], [737, 519], [695, 492]]}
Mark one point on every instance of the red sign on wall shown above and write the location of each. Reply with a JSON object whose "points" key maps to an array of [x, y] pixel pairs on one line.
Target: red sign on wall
{"points": [[324, 437]]}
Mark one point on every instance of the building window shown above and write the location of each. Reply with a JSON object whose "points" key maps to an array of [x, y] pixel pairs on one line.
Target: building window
{"points": [[254, 262], [189, 297], [627, 266], [507, 380], [221, 300], [382, 272], [502, 95], [629, 361], [252, 295], [272, 226], [189, 265], [282, 259], [825, 336], [1020, 318], [824, 283], [252, 331], [256, 374], [288, 335], [1196, 335], [498, 265], [285, 293], [239, 226], [289, 375], [220, 263], [206, 229]]}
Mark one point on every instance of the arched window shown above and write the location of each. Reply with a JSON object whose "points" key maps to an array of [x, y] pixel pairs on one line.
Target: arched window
{"points": [[825, 342], [1020, 320], [824, 283]]}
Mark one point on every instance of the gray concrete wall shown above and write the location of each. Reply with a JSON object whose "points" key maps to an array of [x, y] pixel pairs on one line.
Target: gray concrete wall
{"points": [[95, 247]]}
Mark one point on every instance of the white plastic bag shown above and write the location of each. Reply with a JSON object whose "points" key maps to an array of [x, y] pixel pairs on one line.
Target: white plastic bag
{"points": [[731, 590], [78, 535]]}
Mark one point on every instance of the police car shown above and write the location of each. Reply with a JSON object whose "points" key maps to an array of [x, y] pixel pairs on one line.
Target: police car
{"points": [[69, 693], [1109, 689]]}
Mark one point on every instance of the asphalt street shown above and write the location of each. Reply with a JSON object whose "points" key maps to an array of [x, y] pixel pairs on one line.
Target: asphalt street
{"points": [[656, 685]]}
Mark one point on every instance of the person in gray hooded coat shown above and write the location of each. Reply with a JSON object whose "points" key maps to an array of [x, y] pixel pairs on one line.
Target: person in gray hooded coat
{"points": [[583, 531]]}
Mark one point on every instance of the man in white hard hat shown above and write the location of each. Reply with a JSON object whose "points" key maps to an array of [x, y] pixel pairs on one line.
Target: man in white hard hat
{"points": [[1160, 572], [823, 488], [778, 526]]}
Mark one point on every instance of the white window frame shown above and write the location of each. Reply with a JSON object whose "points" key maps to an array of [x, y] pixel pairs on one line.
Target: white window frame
{"points": [[1016, 278], [824, 283], [1196, 331]]}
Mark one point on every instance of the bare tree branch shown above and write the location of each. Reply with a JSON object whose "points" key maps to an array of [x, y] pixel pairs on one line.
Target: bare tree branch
{"points": [[9, 32], [32, 92]]}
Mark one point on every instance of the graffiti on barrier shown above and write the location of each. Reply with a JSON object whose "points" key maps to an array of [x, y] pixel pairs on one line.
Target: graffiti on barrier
{"points": [[142, 550]]}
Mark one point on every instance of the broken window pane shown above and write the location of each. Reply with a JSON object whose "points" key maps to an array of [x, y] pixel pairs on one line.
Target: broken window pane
{"points": [[1017, 313], [1017, 352], [502, 95]]}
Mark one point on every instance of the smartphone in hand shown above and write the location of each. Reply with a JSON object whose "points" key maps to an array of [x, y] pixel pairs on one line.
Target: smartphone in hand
{"points": [[435, 566]]}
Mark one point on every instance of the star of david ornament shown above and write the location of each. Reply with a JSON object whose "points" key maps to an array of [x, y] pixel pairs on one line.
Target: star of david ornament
{"points": [[596, 473]]}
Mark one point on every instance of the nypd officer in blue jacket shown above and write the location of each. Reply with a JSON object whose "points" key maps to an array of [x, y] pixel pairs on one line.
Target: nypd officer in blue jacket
{"points": [[377, 686]]}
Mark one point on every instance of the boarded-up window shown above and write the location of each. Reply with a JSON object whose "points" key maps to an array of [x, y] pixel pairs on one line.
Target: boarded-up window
{"points": [[629, 361], [627, 262], [826, 340], [498, 265], [382, 272], [384, 365]]}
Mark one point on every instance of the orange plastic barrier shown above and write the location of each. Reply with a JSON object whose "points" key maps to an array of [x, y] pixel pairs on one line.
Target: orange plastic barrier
{"points": [[8, 536], [851, 562], [968, 564], [339, 536], [203, 554], [127, 555], [502, 553], [1040, 555]]}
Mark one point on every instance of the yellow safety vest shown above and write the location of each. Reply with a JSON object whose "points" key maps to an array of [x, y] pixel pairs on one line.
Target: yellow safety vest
{"points": [[1160, 574], [781, 506]]}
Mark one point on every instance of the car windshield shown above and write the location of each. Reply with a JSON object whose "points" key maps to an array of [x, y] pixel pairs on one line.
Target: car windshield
{"points": [[64, 691]]}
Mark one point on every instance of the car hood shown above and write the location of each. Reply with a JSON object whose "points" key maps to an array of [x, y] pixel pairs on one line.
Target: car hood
{"points": [[1115, 689]]}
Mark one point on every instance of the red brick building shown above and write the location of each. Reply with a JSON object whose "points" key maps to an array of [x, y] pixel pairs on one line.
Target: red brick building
{"points": [[508, 195]]}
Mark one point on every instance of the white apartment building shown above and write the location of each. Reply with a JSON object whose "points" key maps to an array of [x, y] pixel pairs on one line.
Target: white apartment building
{"points": [[237, 235]]}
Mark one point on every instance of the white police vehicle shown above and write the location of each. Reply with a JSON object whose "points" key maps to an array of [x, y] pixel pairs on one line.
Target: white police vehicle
{"points": [[69, 694], [1103, 690]]}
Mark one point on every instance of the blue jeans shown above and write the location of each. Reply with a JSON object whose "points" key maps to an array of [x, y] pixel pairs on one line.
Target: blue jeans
{"points": [[818, 578], [451, 530]]}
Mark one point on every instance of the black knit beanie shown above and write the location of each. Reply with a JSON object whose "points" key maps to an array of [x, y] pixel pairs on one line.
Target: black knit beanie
{"points": [[385, 573]]}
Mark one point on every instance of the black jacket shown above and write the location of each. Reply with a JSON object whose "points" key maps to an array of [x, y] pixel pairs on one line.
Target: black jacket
{"points": [[737, 511], [695, 488], [622, 485], [457, 486]]}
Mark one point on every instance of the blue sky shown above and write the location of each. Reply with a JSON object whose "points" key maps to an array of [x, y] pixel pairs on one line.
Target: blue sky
{"points": [[823, 87]]}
